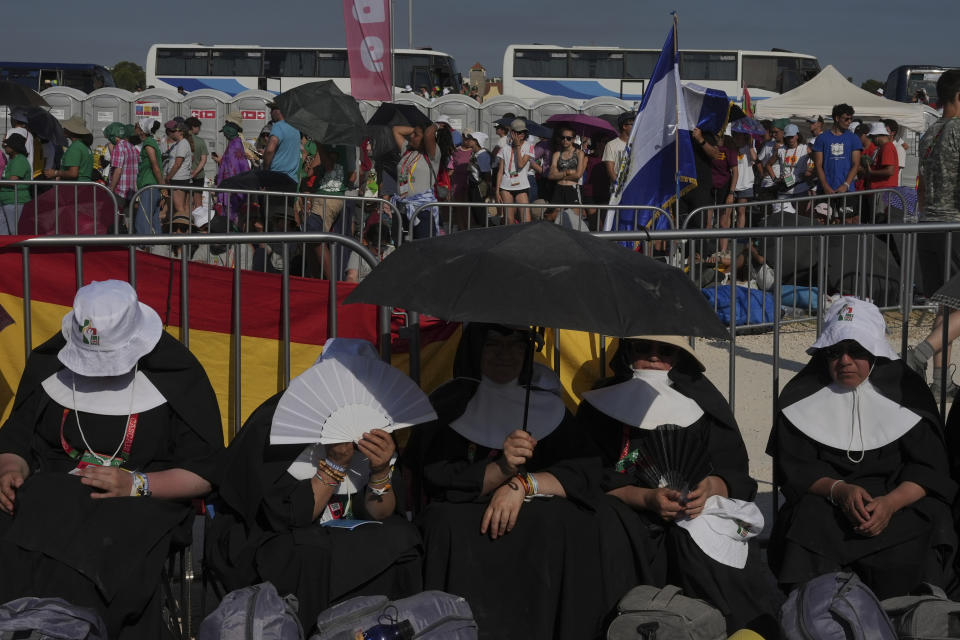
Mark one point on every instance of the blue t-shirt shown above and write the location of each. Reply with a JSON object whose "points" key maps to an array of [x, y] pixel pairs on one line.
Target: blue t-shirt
{"points": [[837, 151], [286, 159]]}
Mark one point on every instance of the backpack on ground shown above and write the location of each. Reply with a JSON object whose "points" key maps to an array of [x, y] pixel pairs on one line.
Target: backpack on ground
{"points": [[835, 606], [431, 615], [253, 613], [649, 613], [925, 614], [49, 619]]}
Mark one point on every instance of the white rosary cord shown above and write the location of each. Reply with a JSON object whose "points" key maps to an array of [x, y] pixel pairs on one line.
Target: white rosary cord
{"points": [[126, 425]]}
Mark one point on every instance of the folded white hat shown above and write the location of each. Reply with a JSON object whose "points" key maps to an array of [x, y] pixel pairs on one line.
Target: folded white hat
{"points": [[723, 528]]}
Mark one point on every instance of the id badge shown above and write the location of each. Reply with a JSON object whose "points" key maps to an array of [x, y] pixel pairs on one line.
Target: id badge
{"points": [[514, 180], [88, 460], [404, 190], [789, 180]]}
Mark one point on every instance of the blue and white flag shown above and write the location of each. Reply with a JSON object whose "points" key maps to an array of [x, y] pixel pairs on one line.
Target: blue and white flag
{"points": [[659, 154], [658, 164]]}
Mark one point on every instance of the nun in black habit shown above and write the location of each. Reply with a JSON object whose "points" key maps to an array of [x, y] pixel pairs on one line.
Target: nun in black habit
{"points": [[114, 428], [285, 510], [859, 453], [697, 540], [509, 521]]}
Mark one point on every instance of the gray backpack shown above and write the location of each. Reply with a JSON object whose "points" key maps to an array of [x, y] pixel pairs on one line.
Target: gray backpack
{"points": [[432, 615], [926, 614], [49, 619], [253, 613], [649, 613], [834, 606]]}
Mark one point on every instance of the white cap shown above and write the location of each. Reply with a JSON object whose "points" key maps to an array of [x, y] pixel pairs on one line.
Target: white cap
{"points": [[851, 318], [790, 130], [444, 118], [723, 528], [201, 216], [480, 137], [853, 126], [878, 129], [108, 330]]}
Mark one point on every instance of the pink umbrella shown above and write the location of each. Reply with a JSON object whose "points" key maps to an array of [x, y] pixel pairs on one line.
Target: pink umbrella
{"points": [[68, 210], [584, 125]]}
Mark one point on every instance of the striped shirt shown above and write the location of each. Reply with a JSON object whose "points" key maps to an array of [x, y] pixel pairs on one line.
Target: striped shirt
{"points": [[125, 159]]}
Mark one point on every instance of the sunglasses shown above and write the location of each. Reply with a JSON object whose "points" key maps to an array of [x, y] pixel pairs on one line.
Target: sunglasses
{"points": [[648, 348], [568, 137], [847, 347]]}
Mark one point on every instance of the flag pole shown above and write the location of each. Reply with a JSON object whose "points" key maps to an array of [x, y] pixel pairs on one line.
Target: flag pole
{"points": [[676, 131]]}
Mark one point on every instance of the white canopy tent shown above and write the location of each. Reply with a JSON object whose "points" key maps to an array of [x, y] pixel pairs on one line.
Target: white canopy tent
{"points": [[830, 87]]}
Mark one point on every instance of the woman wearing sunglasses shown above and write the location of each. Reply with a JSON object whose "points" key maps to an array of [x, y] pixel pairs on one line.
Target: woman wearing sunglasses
{"points": [[659, 386], [859, 454], [566, 168]]}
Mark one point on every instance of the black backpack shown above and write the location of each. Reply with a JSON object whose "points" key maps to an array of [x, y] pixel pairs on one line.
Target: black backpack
{"points": [[49, 619]]}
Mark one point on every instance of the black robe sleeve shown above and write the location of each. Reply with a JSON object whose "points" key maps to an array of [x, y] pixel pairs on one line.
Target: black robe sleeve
{"points": [[796, 459], [925, 461]]}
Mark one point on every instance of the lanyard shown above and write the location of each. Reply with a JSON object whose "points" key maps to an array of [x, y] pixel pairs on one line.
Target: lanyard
{"points": [[627, 458], [127, 437], [407, 168]]}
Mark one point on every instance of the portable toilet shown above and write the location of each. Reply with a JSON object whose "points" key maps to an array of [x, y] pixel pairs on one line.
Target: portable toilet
{"points": [[460, 109], [495, 108], [254, 114], [209, 106], [106, 105]]}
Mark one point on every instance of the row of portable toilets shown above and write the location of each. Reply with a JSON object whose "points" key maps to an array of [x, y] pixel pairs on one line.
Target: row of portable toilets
{"points": [[110, 104]]}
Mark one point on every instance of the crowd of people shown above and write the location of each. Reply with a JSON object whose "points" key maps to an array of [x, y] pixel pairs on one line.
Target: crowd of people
{"points": [[541, 523]]}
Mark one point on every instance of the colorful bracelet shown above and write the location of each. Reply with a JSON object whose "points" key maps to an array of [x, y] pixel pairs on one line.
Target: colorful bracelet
{"points": [[525, 483], [534, 485], [382, 480], [381, 491], [336, 467], [141, 485], [335, 483], [322, 466]]}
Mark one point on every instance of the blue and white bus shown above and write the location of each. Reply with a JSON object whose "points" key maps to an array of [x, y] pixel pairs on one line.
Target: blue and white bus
{"points": [[535, 71], [236, 68], [907, 80], [43, 75]]}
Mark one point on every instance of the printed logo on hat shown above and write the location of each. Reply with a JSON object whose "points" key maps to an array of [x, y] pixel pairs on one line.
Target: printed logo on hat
{"points": [[846, 313], [744, 530], [89, 333]]}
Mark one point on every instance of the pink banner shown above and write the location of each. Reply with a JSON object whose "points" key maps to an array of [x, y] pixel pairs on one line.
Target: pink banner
{"points": [[368, 48]]}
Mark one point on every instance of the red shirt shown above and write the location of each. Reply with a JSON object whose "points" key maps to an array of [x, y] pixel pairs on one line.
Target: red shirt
{"points": [[886, 156]]}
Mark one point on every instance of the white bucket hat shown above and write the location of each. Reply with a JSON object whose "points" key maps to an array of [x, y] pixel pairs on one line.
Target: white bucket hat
{"points": [[108, 330], [851, 318], [723, 528]]}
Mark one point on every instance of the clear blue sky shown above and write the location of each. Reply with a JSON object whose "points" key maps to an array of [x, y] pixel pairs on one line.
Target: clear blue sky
{"points": [[862, 39]]}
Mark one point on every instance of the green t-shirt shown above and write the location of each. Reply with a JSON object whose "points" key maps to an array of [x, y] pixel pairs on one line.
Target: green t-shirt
{"points": [[78, 155], [18, 167], [144, 169], [199, 151]]}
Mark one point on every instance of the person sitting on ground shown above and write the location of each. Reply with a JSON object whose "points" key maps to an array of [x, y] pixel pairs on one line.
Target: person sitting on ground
{"points": [[77, 161], [114, 428], [658, 380], [477, 471], [279, 504], [858, 451]]}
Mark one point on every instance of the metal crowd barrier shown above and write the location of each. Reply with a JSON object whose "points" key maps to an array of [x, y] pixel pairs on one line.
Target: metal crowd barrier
{"points": [[79, 242], [873, 264], [58, 188]]}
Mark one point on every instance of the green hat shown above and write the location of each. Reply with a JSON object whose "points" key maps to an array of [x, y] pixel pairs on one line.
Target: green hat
{"points": [[113, 131], [781, 123]]}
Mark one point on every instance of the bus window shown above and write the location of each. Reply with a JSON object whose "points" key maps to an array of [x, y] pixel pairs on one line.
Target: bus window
{"points": [[540, 63], [639, 65], [700, 65], [927, 81], [596, 64], [26, 77], [333, 64], [760, 72], [183, 62], [49, 78], [289, 63], [236, 63]]}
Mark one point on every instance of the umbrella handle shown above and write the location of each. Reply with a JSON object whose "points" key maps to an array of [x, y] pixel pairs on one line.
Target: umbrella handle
{"points": [[533, 344]]}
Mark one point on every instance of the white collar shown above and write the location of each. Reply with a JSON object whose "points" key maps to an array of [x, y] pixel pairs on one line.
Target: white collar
{"points": [[646, 401], [496, 410], [108, 395], [853, 420]]}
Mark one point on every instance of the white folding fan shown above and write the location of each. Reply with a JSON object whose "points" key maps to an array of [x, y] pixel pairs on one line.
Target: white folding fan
{"points": [[338, 400]]}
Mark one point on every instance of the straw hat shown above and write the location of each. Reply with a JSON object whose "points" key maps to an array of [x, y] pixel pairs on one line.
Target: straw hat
{"points": [[108, 330], [75, 125], [681, 342], [235, 118]]}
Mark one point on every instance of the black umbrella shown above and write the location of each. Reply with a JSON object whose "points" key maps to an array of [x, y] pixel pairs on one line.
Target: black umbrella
{"points": [[43, 125], [17, 95], [540, 274], [391, 114], [533, 128], [319, 110]]}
